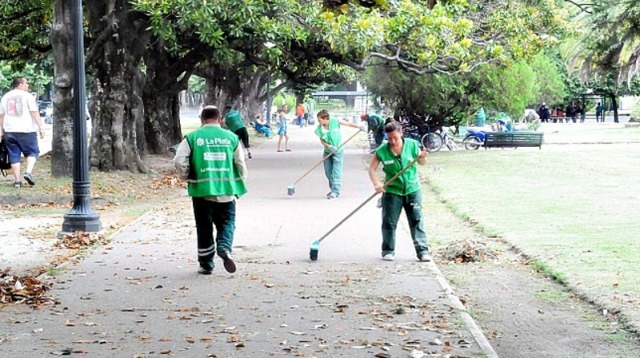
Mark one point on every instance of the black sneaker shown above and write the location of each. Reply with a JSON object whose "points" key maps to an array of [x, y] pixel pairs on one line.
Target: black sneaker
{"points": [[17, 184], [204, 271], [29, 178], [228, 263]]}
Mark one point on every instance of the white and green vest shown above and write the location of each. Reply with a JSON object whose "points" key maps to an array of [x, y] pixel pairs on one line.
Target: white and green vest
{"points": [[212, 171]]}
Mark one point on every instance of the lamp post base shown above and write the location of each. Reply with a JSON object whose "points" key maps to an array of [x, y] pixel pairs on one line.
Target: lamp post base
{"points": [[87, 222]]}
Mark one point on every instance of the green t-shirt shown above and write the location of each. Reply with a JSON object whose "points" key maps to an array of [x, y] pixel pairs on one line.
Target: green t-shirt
{"points": [[333, 135], [234, 120], [409, 181]]}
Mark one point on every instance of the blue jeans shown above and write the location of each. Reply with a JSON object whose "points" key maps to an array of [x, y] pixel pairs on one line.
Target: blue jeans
{"points": [[392, 205], [333, 171], [207, 214], [300, 120]]}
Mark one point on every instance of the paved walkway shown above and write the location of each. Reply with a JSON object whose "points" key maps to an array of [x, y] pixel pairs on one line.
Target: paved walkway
{"points": [[140, 296]]}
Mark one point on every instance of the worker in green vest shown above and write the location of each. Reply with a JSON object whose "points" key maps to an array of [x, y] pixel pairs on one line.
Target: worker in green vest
{"points": [[234, 122], [330, 135], [404, 192], [375, 123], [212, 161]]}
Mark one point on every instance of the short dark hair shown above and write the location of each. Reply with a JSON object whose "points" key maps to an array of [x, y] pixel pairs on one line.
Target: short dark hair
{"points": [[393, 127], [210, 112], [323, 114], [18, 81], [227, 108]]}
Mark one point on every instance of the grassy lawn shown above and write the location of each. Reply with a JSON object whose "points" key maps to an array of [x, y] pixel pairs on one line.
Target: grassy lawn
{"points": [[573, 208], [590, 133]]}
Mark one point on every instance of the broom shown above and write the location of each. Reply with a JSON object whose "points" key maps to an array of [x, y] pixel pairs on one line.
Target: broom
{"points": [[315, 246]]}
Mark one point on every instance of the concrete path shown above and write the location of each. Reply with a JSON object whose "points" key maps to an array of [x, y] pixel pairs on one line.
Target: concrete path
{"points": [[140, 296]]}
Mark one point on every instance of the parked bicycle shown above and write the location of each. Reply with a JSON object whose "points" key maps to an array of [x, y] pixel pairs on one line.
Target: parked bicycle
{"points": [[447, 139], [431, 141]]}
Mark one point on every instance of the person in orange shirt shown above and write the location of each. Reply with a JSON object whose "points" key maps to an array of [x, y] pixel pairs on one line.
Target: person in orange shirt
{"points": [[300, 114]]}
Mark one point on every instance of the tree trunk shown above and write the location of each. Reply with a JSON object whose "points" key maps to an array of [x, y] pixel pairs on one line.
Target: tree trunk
{"points": [[119, 41], [166, 76], [62, 42], [615, 108], [161, 101]]}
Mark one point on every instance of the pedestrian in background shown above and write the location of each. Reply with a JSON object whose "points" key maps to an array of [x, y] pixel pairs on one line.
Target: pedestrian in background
{"points": [[543, 112], [599, 112], [282, 130], [20, 124], [300, 115], [235, 123], [212, 160], [330, 135], [402, 193]]}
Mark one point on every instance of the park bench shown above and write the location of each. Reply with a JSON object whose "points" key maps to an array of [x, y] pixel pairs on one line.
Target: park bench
{"points": [[513, 139]]}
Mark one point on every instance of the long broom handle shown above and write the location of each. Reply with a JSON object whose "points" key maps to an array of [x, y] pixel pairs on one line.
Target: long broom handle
{"points": [[323, 159], [393, 178]]}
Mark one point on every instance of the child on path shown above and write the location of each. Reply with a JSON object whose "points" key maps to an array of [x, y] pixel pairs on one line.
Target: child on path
{"points": [[328, 131], [282, 130], [403, 192]]}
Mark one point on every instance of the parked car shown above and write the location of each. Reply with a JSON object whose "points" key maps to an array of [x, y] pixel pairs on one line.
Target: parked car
{"points": [[45, 108]]}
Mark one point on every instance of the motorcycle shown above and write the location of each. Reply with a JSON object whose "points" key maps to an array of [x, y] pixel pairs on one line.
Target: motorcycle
{"points": [[474, 139]]}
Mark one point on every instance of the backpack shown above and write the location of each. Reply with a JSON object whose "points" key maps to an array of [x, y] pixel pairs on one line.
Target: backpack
{"points": [[5, 164]]}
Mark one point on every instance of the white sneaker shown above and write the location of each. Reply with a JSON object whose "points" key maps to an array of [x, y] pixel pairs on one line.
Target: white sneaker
{"points": [[425, 258], [388, 257]]}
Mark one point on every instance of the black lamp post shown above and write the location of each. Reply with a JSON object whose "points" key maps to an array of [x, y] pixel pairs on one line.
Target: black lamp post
{"points": [[81, 217], [269, 98]]}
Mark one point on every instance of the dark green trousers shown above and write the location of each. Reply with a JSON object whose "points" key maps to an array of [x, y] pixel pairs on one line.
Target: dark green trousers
{"points": [[207, 214], [392, 206]]}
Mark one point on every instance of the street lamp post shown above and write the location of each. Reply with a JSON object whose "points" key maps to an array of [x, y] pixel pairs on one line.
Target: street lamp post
{"points": [[269, 45], [81, 217], [269, 98]]}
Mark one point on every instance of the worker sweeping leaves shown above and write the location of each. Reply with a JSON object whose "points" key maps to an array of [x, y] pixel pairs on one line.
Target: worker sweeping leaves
{"points": [[402, 193]]}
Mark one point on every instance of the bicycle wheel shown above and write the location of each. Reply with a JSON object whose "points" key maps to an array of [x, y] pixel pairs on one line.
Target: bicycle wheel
{"points": [[472, 143], [432, 142], [451, 144]]}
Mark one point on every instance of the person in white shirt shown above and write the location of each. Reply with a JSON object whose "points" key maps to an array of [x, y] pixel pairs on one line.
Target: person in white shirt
{"points": [[20, 124]]}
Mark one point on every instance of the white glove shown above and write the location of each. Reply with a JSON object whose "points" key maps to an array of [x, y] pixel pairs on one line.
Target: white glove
{"points": [[333, 149], [362, 126]]}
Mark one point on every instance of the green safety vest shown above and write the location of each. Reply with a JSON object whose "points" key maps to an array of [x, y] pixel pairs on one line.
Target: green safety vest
{"points": [[409, 181], [379, 120], [234, 120], [212, 171], [333, 135]]}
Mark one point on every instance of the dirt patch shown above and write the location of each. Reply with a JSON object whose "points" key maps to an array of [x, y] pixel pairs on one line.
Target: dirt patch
{"points": [[523, 313], [31, 217]]}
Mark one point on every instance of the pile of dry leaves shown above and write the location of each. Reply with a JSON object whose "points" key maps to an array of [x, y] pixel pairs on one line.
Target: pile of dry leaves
{"points": [[170, 180], [80, 240], [467, 251], [28, 290]]}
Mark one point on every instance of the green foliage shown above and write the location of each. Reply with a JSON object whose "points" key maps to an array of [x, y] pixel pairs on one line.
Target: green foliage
{"points": [[450, 99], [24, 29], [197, 84], [38, 78], [635, 109], [549, 80]]}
